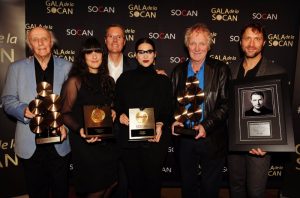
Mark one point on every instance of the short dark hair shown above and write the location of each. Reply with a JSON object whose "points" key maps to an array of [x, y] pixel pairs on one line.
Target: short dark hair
{"points": [[144, 40], [260, 93], [255, 27]]}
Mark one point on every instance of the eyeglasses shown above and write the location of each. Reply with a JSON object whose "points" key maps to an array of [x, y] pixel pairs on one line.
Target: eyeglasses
{"points": [[145, 51], [89, 51]]}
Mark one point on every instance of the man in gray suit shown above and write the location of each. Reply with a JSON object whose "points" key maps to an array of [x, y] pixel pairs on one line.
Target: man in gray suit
{"points": [[46, 166]]}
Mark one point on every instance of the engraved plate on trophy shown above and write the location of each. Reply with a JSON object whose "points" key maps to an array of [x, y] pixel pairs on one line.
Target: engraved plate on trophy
{"points": [[141, 124], [259, 129], [47, 118], [98, 121]]}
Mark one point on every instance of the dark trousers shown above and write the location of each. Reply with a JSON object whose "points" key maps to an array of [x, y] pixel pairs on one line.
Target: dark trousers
{"points": [[121, 190], [143, 166], [193, 155], [47, 173], [248, 175]]}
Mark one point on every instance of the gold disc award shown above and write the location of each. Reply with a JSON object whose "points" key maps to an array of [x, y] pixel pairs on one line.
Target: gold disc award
{"points": [[44, 89], [98, 121], [97, 115], [141, 117], [141, 124]]}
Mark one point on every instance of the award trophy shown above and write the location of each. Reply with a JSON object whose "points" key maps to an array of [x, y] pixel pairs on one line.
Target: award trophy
{"points": [[98, 121], [47, 118], [188, 110], [141, 124]]}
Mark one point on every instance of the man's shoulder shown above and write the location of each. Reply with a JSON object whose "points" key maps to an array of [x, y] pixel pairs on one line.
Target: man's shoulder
{"points": [[271, 68], [21, 63]]}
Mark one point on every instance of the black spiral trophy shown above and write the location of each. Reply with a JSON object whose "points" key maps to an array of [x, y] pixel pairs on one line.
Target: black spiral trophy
{"points": [[192, 96], [47, 118]]}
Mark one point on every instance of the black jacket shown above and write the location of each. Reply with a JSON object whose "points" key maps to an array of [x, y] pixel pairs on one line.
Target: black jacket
{"points": [[216, 78]]}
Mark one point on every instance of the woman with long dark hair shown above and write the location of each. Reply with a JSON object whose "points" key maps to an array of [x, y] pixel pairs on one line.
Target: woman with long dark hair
{"points": [[94, 160]]}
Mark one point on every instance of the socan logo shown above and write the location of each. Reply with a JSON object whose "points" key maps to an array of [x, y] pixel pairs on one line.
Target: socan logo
{"points": [[101, 9], [79, 32], [225, 58], [281, 40], [264, 16], [162, 36], [275, 171], [29, 26], [65, 53], [131, 54], [60, 7], [177, 59], [224, 14], [167, 169], [185, 13], [129, 34], [142, 11], [234, 38], [213, 37]]}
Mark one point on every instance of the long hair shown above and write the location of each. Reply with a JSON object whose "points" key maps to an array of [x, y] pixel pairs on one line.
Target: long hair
{"points": [[80, 68]]}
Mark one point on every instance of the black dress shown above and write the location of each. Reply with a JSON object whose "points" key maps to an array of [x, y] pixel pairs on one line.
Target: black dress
{"points": [[143, 161], [94, 164]]}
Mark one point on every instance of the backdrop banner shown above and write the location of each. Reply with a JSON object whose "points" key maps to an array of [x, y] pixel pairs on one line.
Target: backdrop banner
{"points": [[164, 21], [12, 48]]}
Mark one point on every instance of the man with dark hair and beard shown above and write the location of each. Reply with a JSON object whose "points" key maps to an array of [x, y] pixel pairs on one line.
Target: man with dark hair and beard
{"points": [[248, 172]]}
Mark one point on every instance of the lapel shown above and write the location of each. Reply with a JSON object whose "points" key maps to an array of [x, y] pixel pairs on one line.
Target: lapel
{"points": [[32, 80], [262, 68], [208, 76], [56, 75]]}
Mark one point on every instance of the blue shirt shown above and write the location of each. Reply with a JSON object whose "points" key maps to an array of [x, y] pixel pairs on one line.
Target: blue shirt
{"points": [[200, 76]]}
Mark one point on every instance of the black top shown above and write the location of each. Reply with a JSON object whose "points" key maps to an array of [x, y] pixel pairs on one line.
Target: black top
{"points": [[94, 164], [44, 75], [142, 88], [263, 111], [250, 74]]}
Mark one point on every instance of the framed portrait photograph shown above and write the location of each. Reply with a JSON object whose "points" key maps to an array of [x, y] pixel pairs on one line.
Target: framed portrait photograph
{"points": [[260, 115]]}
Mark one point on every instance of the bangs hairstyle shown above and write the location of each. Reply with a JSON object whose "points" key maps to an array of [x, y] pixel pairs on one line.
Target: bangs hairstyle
{"points": [[91, 44]]}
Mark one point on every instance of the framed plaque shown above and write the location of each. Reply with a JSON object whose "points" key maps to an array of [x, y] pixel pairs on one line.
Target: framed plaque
{"points": [[98, 121], [141, 124], [260, 115]]}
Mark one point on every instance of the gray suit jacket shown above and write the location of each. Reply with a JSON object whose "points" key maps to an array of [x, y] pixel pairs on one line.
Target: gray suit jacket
{"points": [[19, 90]]}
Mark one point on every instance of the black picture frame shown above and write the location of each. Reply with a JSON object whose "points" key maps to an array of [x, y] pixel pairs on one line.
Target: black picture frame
{"points": [[273, 131]]}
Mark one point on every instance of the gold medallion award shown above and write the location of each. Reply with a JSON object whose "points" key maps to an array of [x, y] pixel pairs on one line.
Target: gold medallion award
{"points": [[97, 115]]}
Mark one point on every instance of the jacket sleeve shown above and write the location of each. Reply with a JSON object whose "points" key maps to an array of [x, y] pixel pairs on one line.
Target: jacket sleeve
{"points": [[10, 99], [218, 113]]}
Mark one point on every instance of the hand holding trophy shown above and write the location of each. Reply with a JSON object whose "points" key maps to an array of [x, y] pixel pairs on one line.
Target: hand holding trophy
{"points": [[47, 122]]}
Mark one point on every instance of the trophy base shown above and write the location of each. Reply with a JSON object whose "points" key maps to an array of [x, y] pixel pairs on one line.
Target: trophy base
{"points": [[185, 131], [102, 132], [46, 140], [141, 134]]}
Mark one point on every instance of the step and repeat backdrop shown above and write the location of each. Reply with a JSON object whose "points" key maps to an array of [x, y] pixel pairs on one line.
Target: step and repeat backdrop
{"points": [[164, 21]]}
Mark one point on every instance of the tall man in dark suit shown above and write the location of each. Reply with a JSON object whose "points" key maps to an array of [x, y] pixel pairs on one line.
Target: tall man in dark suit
{"points": [[117, 64], [248, 172]]}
